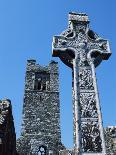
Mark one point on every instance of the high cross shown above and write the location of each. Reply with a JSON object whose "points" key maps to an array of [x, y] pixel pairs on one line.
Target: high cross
{"points": [[82, 49]]}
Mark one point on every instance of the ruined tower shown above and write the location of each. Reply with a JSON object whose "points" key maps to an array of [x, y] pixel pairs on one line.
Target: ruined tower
{"points": [[7, 129], [82, 49], [40, 133]]}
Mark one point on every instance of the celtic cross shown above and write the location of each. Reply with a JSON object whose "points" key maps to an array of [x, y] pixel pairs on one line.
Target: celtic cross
{"points": [[82, 49]]}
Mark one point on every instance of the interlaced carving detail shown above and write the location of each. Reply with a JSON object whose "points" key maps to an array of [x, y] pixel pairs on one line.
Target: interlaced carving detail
{"points": [[85, 79], [91, 140], [82, 49], [88, 105]]}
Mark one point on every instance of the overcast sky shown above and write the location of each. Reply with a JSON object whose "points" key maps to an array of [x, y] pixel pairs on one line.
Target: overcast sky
{"points": [[26, 31]]}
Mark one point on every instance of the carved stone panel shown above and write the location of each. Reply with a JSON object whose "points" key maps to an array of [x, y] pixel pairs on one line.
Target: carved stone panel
{"points": [[85, 79], [82, 49], [91, 140], [88, 105], [83, 58]]}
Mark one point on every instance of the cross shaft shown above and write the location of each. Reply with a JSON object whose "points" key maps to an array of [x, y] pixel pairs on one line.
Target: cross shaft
{"points": [[82, 49]]}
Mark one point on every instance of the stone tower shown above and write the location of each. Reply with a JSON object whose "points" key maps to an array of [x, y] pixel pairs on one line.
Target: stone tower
{"points": [[82, 49], [40, 133]]}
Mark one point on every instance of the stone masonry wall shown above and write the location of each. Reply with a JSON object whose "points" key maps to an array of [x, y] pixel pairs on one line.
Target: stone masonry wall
{"points": [[110, 140], [41, 111], [7, 130]]}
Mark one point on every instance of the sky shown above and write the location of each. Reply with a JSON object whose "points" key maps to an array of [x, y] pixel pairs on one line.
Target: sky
{"points": [[26, 31]]}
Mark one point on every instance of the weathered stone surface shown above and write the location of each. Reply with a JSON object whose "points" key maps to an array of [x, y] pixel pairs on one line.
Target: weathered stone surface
{"points": [[110, 139], [7, 130], [82, 49], [41, 111]]}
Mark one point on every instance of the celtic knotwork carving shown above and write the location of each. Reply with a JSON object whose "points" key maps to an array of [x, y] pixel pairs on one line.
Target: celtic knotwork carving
{"points": [[82, 49], [91, 140], [78, 33], [66, 32], [80, 28], [88, 105], [83, 59], [85, 79]]}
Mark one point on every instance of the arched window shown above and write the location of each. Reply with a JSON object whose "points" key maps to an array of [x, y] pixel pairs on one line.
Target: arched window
{"points": [[39, 85], [42, 150], [41, 81]]}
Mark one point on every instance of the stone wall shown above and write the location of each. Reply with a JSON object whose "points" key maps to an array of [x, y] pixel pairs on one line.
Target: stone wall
{"points": [[41, 111], [110, 139], [7, 130]]}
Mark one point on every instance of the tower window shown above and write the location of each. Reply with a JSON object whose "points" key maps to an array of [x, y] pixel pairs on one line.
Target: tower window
{"points": [[44, 86], [38, 84], [47, 85], [41, 82]]}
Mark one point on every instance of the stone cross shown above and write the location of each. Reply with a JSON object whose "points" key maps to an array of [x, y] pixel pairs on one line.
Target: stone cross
{"points": [[82, 49]]}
